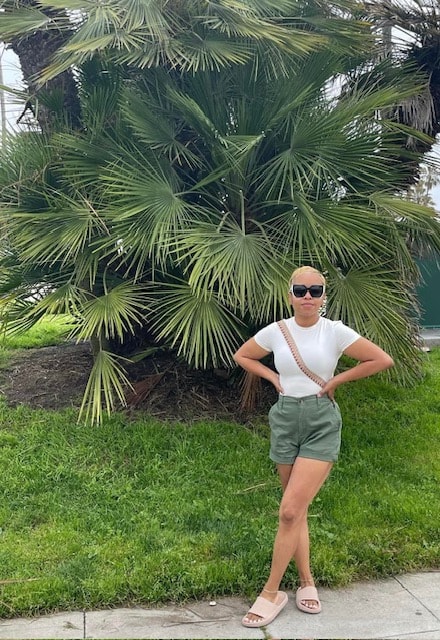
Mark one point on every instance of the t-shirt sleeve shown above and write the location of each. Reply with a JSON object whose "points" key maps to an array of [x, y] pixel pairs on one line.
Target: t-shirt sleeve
{"points": [[345, 336], [266, 336]]}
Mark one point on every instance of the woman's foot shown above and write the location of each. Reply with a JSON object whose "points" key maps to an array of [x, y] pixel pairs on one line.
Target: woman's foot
{"points": [[271, 596], [307, 598]]}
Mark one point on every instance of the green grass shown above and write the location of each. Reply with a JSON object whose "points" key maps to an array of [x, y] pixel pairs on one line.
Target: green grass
{"points": [[46, 332], [138, 511]]}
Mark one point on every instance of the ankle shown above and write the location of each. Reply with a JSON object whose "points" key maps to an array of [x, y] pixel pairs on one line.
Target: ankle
{"points": [[309, 582], [269, 590]]}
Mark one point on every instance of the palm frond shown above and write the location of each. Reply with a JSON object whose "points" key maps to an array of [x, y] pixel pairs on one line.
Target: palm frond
{"points": [[114, 314], [26, 296], [22, 20], [418, 224], [291, 40], [68, 232], [378, 302], [203, 331], [106, 386], [146, 211], [210, 53], [341, 232], [158, 128], [243, 267]]}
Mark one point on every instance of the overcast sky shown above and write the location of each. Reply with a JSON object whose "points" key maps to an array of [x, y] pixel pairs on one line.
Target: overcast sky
{"points": [[11, 78]]}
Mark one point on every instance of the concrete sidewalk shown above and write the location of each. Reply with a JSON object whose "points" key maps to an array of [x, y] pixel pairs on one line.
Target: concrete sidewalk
{"points": [[403, 607], [430, 337]]}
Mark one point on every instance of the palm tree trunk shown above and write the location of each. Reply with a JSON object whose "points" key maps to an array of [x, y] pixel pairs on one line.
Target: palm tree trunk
{"points": [[97, 344], [35, 52]]}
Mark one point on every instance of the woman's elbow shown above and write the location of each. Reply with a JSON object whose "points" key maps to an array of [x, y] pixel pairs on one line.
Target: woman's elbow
{"points": [[387, 362]]}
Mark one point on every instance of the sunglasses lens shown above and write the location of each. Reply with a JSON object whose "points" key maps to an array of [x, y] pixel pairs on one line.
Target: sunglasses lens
{"points": [[316, 290], [300, 290]]}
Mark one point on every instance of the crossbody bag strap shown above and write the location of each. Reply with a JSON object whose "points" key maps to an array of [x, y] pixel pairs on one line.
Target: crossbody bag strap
{"points": [[296, 354]]}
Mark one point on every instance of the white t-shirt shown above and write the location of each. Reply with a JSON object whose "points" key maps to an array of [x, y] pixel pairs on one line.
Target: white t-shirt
{"points": [[320, 347]]}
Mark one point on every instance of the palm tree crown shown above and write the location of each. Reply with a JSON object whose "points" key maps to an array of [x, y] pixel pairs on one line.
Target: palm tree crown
{"points": [[222, 144]]}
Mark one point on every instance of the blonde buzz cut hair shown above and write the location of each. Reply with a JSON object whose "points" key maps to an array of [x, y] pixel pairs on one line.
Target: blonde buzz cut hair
{"points": [[298, 272]]}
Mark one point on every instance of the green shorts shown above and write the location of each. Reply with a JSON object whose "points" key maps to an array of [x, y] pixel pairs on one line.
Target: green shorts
{"points": [[308, 427]]}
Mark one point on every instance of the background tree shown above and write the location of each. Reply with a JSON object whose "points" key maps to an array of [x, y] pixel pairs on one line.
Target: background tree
{"points": [[34, 46], [421, 190], [416, 38], [221, 145]]}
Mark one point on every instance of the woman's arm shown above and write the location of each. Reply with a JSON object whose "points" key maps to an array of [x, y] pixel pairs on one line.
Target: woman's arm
{"points": [[372, 359], [248, 357]]}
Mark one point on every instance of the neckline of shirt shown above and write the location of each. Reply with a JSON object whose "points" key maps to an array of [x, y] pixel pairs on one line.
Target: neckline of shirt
{"points": [[298, 326]]}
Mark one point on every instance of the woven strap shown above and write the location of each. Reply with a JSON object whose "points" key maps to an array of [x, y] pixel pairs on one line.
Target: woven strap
{"points": [[296, 354]]}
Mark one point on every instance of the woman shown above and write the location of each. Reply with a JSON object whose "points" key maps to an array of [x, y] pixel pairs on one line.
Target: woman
{"points": [[305, 424]]}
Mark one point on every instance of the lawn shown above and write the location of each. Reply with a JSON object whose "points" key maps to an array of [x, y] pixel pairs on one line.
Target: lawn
{"points": [[49, 331], [137, 511]]}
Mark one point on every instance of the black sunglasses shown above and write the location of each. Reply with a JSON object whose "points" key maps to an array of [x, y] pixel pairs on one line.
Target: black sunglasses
{"points": [[300, 290]]}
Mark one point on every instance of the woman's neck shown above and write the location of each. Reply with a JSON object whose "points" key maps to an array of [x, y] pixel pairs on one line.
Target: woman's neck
{"points": [[306, 322]]}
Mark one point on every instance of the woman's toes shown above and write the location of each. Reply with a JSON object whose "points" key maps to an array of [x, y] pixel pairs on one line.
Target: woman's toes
{"points": [[311, 604], [251, 617]]}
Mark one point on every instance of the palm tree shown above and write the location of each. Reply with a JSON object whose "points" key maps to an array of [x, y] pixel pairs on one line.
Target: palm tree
{"points": [[416, 25], [197, 184]]}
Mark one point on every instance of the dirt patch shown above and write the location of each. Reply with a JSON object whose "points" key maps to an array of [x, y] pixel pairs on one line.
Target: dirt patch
{"points": [[56, 377], [47, 378]]}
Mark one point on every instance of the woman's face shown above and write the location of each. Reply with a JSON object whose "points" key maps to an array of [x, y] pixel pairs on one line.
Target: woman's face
{"points": [[307, 306]]}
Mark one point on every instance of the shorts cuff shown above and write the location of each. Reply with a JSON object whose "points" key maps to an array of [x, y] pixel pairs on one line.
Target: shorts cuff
{"points": [[278, 461], [318, 456]]}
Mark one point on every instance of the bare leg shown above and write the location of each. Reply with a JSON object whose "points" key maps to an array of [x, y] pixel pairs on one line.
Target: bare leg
{"points": [[302, 561], [302, 553], [301, 483]]}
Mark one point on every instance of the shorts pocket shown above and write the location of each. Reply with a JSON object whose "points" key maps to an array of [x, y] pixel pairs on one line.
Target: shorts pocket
{"points": [[273, 413]]}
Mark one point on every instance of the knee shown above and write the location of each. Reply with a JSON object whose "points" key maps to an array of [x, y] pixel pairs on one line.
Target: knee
{"points": [[291, 514]]}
